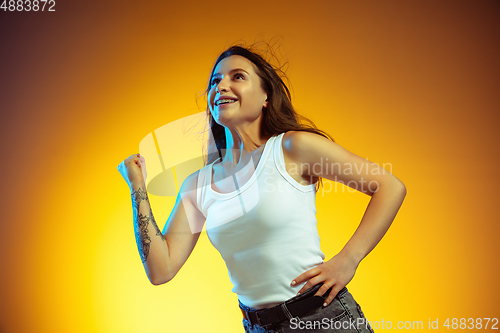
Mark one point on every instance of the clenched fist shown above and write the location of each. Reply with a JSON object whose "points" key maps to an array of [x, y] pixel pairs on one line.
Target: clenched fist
{"points": [[133, 169]]}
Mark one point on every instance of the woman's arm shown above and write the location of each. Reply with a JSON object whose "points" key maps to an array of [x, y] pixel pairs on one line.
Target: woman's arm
{"points": [[377, 219], [151, 243], [163, 254], [320, 157]]}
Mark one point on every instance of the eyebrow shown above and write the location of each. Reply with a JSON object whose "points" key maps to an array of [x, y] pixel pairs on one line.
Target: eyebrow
{"points": [[232, 71]]}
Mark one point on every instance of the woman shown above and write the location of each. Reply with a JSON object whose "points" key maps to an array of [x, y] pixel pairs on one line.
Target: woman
{"points": [[256, 196]]}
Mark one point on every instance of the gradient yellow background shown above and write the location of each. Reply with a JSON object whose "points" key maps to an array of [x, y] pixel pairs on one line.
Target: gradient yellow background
{"points": [[410, 83]]}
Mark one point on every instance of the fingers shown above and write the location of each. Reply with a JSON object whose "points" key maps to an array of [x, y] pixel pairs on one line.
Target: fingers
{"points": [[142, 159], [321, 291], [332, 294], [305, 276], [312, 278], [138, 159], [129, 172], [311, 283]]}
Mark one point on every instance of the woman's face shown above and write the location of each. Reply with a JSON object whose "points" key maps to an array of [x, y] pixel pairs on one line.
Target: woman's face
{"points": [[236, 96]]}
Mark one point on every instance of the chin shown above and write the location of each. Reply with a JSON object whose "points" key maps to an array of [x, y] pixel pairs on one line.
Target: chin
{"points": [[224, 119]]}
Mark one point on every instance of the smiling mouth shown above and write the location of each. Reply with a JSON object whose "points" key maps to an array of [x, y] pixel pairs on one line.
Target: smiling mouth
{"points": [[224, 101]]}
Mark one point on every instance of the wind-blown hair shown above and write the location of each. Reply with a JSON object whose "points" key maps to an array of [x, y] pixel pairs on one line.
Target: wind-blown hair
{"points": [[278, 117]]}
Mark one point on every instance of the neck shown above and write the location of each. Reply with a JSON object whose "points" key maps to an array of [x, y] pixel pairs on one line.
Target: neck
{"points": [[242, 145]]}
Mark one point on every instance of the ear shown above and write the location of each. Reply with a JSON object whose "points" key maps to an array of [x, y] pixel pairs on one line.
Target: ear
{"points": [[265, 103]]}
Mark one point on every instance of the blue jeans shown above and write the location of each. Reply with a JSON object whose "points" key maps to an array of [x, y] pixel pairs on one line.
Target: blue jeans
{"points": [[342, 315]]}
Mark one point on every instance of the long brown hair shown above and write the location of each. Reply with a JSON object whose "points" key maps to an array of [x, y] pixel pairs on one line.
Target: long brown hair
{"points": [[279, 116]]}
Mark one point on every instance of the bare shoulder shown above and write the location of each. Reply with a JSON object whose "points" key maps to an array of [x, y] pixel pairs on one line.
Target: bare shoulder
{"points": [[322, 157], [299, 144], [191, 181], [189, 186], [312, 149]]}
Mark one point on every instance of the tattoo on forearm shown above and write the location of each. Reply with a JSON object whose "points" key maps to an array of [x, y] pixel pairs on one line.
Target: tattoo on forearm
{"points": [[141, 223], [158, 231], [138, 196], [143, 238]]}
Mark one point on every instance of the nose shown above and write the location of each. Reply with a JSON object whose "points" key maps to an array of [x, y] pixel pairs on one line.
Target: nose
{"points": [[221, 89], [222, 86]]}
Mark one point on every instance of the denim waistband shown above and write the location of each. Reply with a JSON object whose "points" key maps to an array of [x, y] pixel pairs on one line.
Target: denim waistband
{"points": [[308, 293]]}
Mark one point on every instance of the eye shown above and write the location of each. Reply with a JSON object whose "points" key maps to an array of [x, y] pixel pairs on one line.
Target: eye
{"points": [[214, 81], [239, 75]]}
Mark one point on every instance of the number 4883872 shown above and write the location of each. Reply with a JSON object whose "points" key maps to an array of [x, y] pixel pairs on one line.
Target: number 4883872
{"points": [[471, 323], [28, 5]]}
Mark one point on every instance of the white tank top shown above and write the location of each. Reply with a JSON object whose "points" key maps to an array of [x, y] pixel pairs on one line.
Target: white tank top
{"points": [[265, 230]]}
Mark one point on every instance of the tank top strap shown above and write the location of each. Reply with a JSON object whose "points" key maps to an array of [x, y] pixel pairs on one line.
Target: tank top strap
{"points": [[279, 160], [202, 186]]}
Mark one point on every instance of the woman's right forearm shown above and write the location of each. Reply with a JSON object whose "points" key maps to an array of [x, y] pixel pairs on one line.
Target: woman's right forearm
{"points": [[152, 246]]}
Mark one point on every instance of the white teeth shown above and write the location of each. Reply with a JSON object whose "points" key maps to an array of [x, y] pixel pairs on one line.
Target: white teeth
{"points": [[224, 101]]}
